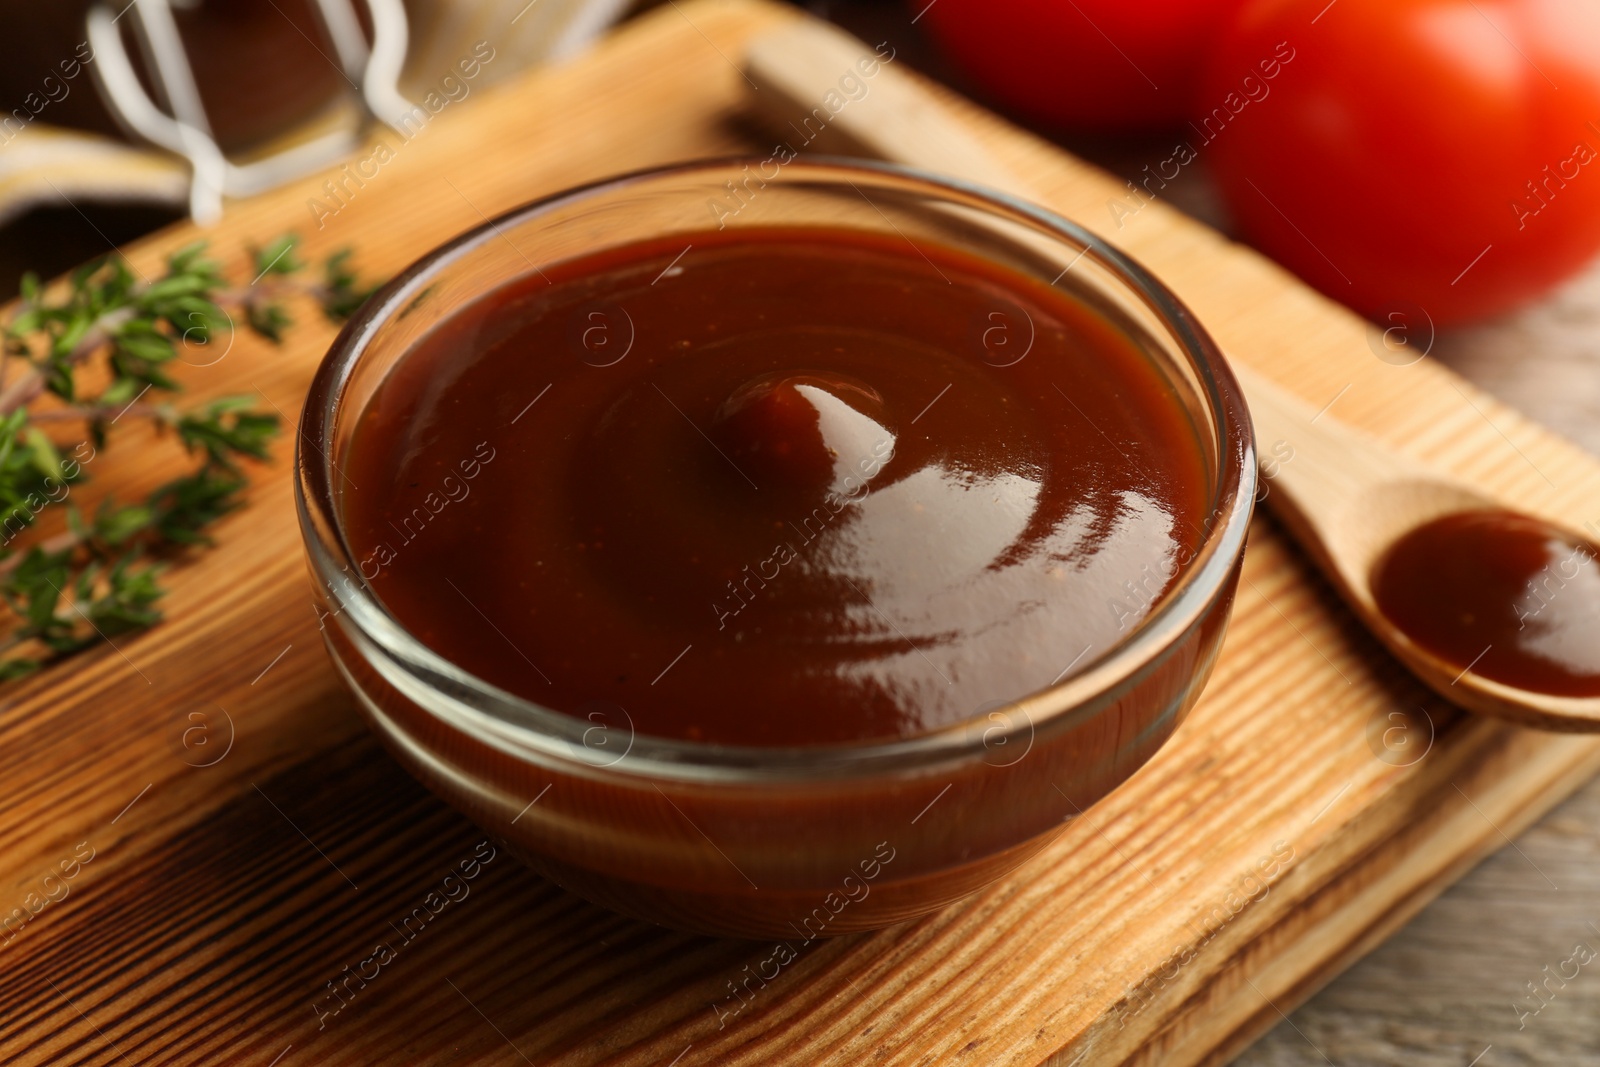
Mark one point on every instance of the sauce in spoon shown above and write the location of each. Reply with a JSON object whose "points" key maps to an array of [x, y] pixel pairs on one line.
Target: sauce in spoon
{"points": [[1509, 597]]}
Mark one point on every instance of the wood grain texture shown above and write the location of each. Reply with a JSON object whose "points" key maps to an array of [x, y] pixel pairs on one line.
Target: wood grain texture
{"points": [[219, 904], [1446, 989], [1450, 988]]}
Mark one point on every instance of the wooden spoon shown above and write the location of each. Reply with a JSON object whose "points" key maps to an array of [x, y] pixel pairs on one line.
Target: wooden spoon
{"points": [[1344, 497]]}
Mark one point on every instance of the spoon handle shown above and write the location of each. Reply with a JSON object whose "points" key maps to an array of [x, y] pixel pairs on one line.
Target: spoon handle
{"points": [[1341, 494], [1310, 457], [799, 69]]}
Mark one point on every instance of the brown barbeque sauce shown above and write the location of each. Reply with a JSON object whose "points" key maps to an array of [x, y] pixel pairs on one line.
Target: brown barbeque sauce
{"points": [[1513, 598], [775, 487]]}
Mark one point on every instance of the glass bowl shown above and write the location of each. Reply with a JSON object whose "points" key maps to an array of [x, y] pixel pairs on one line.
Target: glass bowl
{"points": [[793, 843]]}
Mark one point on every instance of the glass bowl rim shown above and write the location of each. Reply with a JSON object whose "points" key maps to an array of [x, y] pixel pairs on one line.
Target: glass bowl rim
{"points": [[518, 724]]}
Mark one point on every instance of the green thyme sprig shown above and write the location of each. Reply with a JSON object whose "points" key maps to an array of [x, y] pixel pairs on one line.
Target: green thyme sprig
{"points": [[99, 577]]}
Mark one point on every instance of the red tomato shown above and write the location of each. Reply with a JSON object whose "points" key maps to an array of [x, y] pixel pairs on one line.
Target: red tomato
{"points": [[1082, 64], [1441, 153]]}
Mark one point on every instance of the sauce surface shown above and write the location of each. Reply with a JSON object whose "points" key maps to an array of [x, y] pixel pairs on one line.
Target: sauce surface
{"points": [[779, 487], [1510, 596]]}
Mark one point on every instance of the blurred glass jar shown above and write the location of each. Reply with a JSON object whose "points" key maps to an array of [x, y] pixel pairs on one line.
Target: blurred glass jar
{"points": [[238, 96], [256, 64]]}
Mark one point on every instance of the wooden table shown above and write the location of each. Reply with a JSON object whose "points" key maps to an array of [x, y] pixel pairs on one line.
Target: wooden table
{"points": [[222, 895]]}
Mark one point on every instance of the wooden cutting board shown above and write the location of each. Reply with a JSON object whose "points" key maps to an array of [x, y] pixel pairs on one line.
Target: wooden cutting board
{"points": [[248, 841]]}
